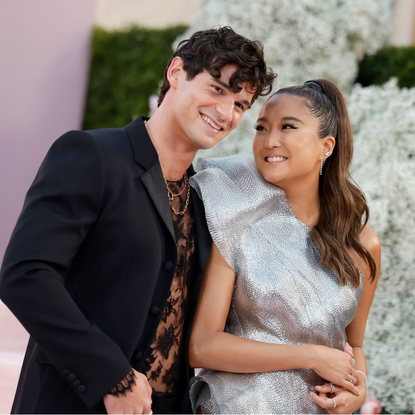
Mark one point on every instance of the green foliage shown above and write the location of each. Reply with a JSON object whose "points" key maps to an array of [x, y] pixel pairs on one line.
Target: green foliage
{"points": [[126, 68], [388, 62]]}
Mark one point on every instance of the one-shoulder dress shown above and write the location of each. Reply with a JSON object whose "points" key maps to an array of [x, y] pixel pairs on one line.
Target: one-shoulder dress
{"points": [[282, 295]]}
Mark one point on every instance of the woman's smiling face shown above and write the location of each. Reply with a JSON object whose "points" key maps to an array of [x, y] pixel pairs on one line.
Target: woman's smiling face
{"points": [[287, 147]]}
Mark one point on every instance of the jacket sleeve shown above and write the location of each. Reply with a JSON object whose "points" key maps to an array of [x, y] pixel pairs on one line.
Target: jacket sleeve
{"points": [[61, 206]]}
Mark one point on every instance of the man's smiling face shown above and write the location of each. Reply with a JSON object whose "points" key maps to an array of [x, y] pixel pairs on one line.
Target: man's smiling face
{"points": [[207, 109]]}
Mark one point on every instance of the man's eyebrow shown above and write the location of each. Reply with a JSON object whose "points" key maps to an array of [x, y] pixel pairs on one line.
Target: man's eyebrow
{"points": [[225, 85]]}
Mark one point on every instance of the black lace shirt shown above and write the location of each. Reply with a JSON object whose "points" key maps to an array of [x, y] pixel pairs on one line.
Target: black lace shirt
{"points": [[162, 365]]}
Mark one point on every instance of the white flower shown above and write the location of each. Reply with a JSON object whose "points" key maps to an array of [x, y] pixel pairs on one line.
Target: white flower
{"points": [[303, 39], [306, 39], [383, 121]]}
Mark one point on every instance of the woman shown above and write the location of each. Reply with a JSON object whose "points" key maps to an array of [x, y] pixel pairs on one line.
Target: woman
{"points": [[292, 271]]}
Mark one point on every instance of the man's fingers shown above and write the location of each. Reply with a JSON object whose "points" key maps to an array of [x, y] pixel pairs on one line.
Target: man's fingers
{"points": [[147, 408]]}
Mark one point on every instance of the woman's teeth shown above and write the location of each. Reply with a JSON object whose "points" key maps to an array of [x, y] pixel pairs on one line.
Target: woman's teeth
{"points": [[275, 159]]}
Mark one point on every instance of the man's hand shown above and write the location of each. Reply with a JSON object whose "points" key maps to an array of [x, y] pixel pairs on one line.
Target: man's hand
{"points": [[135, 401]]}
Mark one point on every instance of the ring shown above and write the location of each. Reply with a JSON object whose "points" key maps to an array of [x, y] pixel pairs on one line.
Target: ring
{"points": [[334, 402], [352, 379], [332, 387], [353, 362]]}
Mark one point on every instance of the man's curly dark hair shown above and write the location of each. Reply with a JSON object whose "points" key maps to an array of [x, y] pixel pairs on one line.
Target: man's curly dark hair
{"points": [[213, 49]]}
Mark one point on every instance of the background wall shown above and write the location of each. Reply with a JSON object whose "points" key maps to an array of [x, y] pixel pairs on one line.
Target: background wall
{"points": [[403, 33], [44, 49], [117, 14]]}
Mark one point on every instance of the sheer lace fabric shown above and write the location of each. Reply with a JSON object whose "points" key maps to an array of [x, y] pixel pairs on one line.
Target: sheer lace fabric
{"points": [[162, 366]]}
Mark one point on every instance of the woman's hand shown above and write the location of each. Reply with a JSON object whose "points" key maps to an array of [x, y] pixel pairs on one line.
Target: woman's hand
{"points": [[336, 367], [341, 401]]}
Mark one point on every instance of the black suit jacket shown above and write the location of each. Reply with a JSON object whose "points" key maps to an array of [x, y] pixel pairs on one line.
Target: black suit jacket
{"points": [[89, 266]]}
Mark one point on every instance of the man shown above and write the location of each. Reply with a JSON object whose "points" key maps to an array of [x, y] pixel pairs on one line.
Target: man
{"points": [[106, 260]]}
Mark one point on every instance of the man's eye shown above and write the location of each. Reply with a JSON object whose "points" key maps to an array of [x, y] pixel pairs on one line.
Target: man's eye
{"points": [[240, 106], [217, 89]]}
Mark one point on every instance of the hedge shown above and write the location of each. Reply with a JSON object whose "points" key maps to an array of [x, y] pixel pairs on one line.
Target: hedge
{"points": [[127, 67], [388, 62]]}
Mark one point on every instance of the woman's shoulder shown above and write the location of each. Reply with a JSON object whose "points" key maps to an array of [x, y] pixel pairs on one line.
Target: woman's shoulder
{"points": [[370, 240], [231, 175], [231, 165]]}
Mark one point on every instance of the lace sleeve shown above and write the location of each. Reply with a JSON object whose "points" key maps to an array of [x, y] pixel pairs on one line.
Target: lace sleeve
{"points": [[125, 385]]}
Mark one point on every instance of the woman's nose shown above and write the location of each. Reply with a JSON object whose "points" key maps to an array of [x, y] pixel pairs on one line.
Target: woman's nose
{"points": [[273, 140]]}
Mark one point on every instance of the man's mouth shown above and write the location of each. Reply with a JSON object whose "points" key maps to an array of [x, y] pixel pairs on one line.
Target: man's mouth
{"points": [[274, 159], [211, 123]]}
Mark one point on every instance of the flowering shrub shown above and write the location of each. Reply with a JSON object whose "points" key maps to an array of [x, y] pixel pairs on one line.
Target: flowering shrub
{"points": [[307, 39], [303, 39], [383, 121]]}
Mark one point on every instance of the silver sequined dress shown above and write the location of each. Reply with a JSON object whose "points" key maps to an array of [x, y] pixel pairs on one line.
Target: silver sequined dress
{"points": [[281, 293]]}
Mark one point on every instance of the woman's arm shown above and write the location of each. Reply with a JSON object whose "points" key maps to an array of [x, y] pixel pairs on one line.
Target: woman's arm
{"points": [[345, 401], [210, 347]]}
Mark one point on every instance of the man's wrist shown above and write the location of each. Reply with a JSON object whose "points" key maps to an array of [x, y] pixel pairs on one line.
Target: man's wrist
{"points": [[125, 385]]}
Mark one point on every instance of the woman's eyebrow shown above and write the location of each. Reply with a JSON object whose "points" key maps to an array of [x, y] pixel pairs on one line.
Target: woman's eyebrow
{"points": [[291, 119], [262, 119]]}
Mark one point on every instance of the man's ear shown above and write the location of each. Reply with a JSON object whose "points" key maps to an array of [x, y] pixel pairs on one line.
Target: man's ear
{"points": [[176, 72]]}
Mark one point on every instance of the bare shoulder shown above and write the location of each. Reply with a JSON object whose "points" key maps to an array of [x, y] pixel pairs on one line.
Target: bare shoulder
{"points": [[370, 241]]}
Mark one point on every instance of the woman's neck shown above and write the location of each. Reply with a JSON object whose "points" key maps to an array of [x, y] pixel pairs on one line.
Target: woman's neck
{"points": [[305, 202]]}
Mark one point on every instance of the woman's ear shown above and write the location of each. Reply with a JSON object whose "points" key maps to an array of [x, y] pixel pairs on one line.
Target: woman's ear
{"points": [[329, 144], [175, 72]]}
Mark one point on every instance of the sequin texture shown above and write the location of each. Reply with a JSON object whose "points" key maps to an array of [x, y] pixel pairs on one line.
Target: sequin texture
{"points": [[281, 294]]}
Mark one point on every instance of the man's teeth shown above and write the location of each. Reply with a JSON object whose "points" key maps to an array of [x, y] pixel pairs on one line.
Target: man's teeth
{"points": [[209, 121], [276, 158]]}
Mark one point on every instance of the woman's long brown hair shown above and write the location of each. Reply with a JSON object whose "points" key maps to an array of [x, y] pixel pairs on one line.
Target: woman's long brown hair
{"points": [[343, 208]]}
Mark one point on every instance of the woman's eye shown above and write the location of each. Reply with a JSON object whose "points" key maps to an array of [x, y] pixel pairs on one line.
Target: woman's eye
{"points": [[259, 128], [288, 127]]}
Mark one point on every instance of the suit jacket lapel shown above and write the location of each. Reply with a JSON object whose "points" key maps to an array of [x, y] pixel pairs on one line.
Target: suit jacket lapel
{"points": [[146, 155]]}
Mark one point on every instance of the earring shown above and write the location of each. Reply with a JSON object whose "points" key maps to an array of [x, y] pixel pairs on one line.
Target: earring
{"points": [[323, 159]]}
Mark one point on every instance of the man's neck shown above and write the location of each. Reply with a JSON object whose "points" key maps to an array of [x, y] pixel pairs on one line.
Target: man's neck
{"points": [[174, 156]]}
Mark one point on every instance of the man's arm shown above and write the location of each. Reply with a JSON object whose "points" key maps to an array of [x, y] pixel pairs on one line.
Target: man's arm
{"points": [[61, 206]]}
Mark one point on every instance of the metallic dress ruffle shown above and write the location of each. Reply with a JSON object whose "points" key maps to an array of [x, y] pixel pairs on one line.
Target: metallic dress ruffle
{"points": [[281, 293]]}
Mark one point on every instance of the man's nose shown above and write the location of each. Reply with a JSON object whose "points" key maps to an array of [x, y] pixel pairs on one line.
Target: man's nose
{"points": [[225, 109]]}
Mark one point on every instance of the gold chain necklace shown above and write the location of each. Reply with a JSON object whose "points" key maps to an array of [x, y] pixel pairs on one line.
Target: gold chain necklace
{"points": [[172, 195]]}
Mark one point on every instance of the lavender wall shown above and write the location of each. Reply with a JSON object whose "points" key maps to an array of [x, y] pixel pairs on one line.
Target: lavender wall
{"points": [[44, 59]]}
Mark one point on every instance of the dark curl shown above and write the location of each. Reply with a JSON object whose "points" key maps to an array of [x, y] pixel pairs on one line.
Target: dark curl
{"points": [[213, 49]]}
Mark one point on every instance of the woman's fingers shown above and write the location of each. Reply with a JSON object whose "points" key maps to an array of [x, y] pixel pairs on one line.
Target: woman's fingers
{"points": [[324, 402], [348, 349], [328, 388], [349, 384]]}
